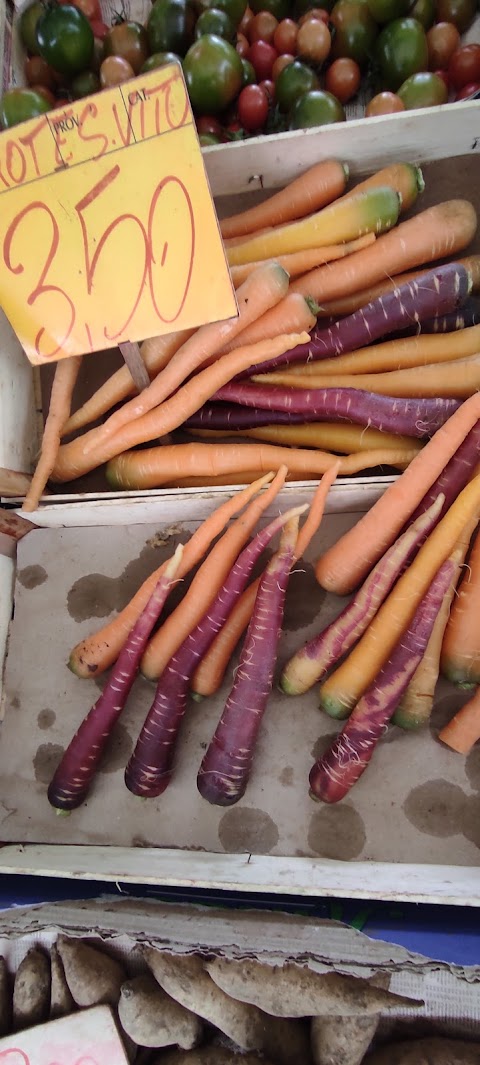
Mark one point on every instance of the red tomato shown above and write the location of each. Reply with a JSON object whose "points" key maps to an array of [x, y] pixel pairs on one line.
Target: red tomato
{"points": [[89, 8], [242, 45], [208, 124], [444, 76], [100, 29], [285, 37], [468, 90], [443, 39], [252, 107], [262, 27], [280, 63], [316, 14], [314, 41], [262, 57], [464, 66], [38, 72], [47, 95], [269, 89], [245, 21], [343, 79], [114, 71], [385, 103]]}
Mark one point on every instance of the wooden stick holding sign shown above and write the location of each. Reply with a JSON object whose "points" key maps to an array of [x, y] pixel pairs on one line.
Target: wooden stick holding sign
{"points": [[136, 365]]}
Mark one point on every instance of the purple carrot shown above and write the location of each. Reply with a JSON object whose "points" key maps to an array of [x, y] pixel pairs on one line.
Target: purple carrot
{"points": [[231, 416], [464, 318], [348, 757], [311, 662], [407, 417], [149, 770], [73, 776], [440, 291], [225, 769], [455, 475]]}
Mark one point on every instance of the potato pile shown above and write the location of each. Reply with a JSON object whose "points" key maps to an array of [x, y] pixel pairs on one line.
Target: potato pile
{"points": [[191, 1010]]}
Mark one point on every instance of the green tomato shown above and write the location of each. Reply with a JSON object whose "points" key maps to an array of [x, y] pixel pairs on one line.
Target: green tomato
{"points": [[170, 26], [235, 9], [207, 139], [355, 31], [213, 74], [293, 82], [401, 50], [387, 10], [280, 8], [424, 11], [28, 26], [18, 105], [423, 90], [85, 84], [213, 20], [460, 12], [316, 108], [302, 6], [249, 75], [65, 39], [159, 59]]}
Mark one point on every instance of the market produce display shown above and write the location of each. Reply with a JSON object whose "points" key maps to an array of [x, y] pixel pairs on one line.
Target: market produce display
{"points": [[266, 67]]}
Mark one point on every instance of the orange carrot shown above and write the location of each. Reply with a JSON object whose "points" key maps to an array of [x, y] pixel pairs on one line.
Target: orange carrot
{"points": [[211, 669], [455, 380], [436, 233], [405, 178], [292, 315], [463, 731], [206, 584], [297, 263], [13, 483], [78, 456], [239, 477], [397, 354], [66, 373], [155, 352], [341, 568], [338, 308], [97, 652], [330, 436], [343, 688], [262, 290], [154, 467], [460, 660], [309, 192]]}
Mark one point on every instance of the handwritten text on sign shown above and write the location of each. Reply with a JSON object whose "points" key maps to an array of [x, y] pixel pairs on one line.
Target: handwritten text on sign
{"points": [[107, 227]]}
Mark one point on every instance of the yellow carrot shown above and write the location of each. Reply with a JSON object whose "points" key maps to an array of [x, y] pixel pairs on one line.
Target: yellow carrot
{"points": [[455, 380], [331, 436], [405, 178], [297, 263], [342, 690], [310, 191]]}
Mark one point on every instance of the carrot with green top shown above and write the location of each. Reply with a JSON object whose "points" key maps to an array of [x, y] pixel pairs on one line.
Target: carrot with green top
{"points": [[460, 658], [372, 211], [297, 263], [405, 178], [343, 688], [463, 731]]}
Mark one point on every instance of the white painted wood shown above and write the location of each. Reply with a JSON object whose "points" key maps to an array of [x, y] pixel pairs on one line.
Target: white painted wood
{"points": [[90, 1037], [249, 872]]}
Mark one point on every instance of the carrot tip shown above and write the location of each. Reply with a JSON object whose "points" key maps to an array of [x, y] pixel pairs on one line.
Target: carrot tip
{"points": [[62, 813], [197, 697]]}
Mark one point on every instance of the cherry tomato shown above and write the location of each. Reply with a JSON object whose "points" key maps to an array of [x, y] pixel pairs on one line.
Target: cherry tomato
{"points": [[128, 40], [28, 26], [386, 10], [114, 71], [65, 39], [38, 72], [468, 90], [280, 63], [279, 8], [423, 89], [343, 79], [85, 84], [460, 12], [208, 124], [245, 21], [213, 20], [424, 11], [213, 73], [317, 14], [443, 74], [159, 59], [285, 37], [384, 103], [295, 80], [315, 108], [355, 31], [100, 29], [443, 39], [242, 45], [464, 66], [314, 41], [46, 93], [262, 27], [170, 26], [269, 89], [207, 139], [262, 57], [252, 107], [401, 50], [249, 75], [89, 8], [18, 105]]}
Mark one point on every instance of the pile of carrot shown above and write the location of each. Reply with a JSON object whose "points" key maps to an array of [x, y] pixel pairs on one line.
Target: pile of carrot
{"points": [[350, 388]]}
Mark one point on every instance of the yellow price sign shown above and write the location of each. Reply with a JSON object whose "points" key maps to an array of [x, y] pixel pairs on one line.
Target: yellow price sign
{"points": [[108, 231]]}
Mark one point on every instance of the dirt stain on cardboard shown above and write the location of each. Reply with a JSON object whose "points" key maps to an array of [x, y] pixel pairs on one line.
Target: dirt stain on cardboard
{"points": [[32, 576], [436, 808], [322, 744], [471, 819], [97, 596], [304, 599], [247, 830], [118, 751], [46, 761], [472, 767], [286, 776], [337, 832], [46, 718]]}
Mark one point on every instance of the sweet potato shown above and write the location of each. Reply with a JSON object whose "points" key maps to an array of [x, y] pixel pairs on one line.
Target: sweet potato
{"points": [[61, 1000], [5, 999], [208, 1055], [93, 977], [433, 1051], [31, 990], [295, 991], [345, 1039], [152, 1019]]}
